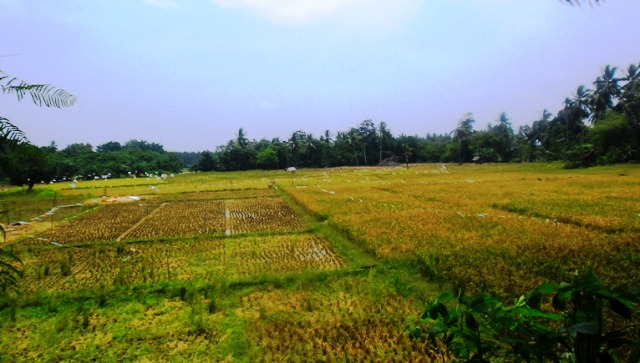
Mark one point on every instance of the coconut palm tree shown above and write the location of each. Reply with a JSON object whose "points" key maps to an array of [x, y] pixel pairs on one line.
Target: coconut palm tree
{"points": [[384, 133], [630, 95], [463, 132], [581, 100], [606, 92], [326, 149], [354, 138], [309, 145], [295, 144], [504, 137], [575, 111]]}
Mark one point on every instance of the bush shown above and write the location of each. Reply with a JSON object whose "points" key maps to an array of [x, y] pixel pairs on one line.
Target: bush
{"points": [[484, 328]]}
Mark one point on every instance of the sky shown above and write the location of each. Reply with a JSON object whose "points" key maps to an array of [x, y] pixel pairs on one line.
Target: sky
{"points": [[188, 74]]}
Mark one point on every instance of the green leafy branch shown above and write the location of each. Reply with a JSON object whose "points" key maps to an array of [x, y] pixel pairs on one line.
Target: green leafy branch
{"points": [[8, 272], [555, 322], [10, 133], [41, 94]]}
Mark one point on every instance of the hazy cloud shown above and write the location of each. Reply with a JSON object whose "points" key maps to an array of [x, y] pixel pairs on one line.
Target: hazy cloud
{"points": [[386, 13], [163, 4]]}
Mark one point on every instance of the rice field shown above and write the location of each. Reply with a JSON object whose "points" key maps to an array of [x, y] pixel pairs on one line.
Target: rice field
{"points": [[325, 265], [189, 215], [52, 269], [497, 228]]}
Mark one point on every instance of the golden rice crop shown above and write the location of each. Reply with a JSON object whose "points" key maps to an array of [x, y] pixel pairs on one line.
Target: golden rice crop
{"points": [[496, 228], [54, 268], [107, 223], [343, 326], [173, 219], [261, 214]]}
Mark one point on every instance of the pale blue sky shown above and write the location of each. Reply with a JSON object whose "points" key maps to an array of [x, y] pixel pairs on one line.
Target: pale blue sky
{"points": [[189, 74]]}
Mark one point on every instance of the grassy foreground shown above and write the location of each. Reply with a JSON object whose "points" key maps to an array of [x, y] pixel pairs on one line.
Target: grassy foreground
{"points": [[224, 291]]}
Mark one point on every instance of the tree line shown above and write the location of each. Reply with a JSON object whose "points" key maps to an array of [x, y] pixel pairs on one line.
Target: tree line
{"points": [[81, 161], [595, 126]]}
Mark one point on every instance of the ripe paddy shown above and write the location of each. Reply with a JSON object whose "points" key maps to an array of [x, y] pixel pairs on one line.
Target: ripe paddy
{"points": [[332, 264]]}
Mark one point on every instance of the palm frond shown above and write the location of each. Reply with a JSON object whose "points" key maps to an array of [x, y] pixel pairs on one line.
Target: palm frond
{"points": [[10, 133], [41, 94], [9, 273], [577, 2]]}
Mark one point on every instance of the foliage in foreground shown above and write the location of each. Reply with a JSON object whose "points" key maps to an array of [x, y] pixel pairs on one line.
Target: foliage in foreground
{"points": [[9, 274], [572, 329]]}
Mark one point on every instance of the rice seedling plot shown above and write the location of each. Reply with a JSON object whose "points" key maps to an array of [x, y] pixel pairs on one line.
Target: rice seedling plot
{"points": [[261, 214], [173, 219], [150, 219], [104, 224], [280, 254], [228, 216], [57, 268]]}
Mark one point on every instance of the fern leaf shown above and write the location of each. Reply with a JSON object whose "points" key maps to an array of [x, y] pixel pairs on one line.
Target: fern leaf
{"points": [[41, 94]]}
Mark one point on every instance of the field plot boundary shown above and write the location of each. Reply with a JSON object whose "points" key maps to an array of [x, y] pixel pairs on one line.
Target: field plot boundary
{"points": [[352, 254], [123, 235], [223, 194]]}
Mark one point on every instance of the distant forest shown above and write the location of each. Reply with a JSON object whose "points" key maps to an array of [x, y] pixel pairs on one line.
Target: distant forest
{"points": [[595, 126]]}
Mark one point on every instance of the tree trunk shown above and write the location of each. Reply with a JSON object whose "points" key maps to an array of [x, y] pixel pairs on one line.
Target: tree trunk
{"points": [[364, 153]]}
